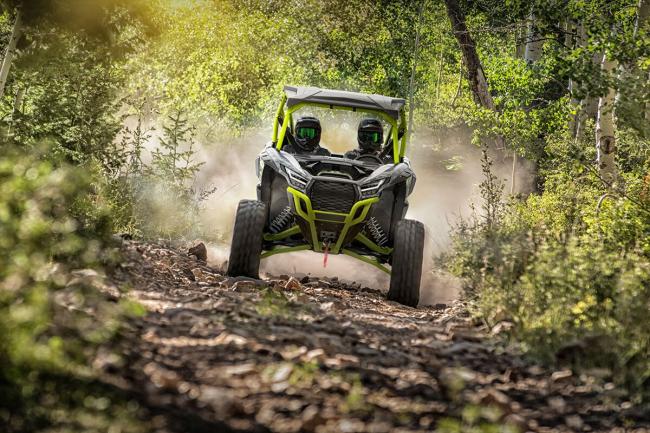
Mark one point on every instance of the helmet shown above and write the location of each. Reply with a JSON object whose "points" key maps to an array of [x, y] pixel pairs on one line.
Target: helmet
{"points": [[307, 133], [370, 135]]}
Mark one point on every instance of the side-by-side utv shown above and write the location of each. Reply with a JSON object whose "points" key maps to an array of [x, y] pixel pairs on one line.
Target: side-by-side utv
{"points": [[332, 204]]}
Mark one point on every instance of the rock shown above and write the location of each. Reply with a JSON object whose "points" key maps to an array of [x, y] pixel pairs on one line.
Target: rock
{"points": [[462, 347], [468, 335], [517, 421], [351, 426], [313, 354], [111, 292], [162, 377], [561, 375], [221, 400], [292, 284], [496, 398], [188, 274], [292, 354], [199, 251], [243, 287], [311, 418], [283, 373], [239, 370], [557, 403], [379, 427], [257, 282], [574, 422]]}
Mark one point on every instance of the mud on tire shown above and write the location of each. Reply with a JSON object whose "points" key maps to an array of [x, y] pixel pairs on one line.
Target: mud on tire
{"points": [[247, 235], [407, 263]]}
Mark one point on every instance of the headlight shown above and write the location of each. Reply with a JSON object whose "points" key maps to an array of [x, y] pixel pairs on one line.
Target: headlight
{"points": [[296, 179], [371, 188]]}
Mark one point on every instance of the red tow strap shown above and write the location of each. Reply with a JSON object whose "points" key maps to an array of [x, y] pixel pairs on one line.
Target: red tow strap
{"points": [[326, 244]]}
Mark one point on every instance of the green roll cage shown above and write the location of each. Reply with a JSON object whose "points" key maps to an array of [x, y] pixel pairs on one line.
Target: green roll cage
{"points": [[284, 118]]}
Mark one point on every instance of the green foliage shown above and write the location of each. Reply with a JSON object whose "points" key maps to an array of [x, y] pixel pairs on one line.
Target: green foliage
{"points": [[163, 200], [568, 267], [476, 419], [94, 79], [51, 314]]}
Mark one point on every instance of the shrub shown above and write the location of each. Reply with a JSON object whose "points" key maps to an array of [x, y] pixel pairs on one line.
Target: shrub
{"points": [[51, 316], [569, 268]]}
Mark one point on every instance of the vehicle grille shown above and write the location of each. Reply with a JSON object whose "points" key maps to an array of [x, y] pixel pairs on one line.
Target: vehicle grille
{"points": [[333, 196]]}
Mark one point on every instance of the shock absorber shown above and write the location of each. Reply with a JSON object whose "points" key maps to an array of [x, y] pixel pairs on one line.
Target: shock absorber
{"points": [[376, 232], [282, 220]]}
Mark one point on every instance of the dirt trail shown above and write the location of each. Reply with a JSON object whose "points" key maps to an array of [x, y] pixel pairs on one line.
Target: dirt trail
{"points": [[224, 354]]}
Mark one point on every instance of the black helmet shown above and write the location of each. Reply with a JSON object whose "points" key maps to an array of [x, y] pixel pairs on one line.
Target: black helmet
{"points": [[307, 133], [370, 135]]}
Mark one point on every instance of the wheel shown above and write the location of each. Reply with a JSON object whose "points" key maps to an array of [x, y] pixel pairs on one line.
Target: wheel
{"points": [[246, 246], [408, 247]]}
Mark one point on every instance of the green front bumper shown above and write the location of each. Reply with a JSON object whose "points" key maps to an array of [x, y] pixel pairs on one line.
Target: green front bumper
{"points": [[357, 215]]}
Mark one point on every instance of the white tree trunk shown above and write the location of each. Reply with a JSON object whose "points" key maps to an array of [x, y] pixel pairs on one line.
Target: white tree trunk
{"points": [[9, 54], [605, 128], [534, 45]]}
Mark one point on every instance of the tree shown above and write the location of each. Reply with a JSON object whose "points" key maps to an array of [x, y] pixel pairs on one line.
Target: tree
{"points": [[10, 51], [533, 50], [475, 75], [605, 127]]}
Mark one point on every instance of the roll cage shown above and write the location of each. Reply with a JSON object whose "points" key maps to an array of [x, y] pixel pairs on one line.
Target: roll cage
{"points": [[389, 109]]}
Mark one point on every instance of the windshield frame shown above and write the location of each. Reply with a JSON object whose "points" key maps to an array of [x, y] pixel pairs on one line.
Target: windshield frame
{"points": [[284, 118]]}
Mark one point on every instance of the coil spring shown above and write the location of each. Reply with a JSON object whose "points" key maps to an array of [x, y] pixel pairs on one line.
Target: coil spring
{"points": [[376, 232], [282, 220]]}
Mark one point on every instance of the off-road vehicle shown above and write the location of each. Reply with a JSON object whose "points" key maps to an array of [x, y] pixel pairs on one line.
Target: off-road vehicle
{"points": [[332, 204]]}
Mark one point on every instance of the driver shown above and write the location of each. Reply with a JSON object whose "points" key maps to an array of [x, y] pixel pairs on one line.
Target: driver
{"points": [[370, 136], [307, 138]]}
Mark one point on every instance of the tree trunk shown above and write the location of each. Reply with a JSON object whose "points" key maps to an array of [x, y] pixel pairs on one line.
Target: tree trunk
{"points": [[605, 127], [416, 50], [534, 45], [475, 74], [9, 54]]}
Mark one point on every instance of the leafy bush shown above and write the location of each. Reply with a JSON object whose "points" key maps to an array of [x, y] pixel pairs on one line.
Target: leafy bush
{"points": [[569, 268], [52, 316]]}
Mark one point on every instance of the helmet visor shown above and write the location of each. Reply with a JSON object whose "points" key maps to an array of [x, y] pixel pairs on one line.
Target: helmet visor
{"points": [[306, 132], [370, 136]]}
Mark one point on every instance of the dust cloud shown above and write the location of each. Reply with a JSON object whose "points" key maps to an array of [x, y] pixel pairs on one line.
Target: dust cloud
{"points": [[448, 170]]}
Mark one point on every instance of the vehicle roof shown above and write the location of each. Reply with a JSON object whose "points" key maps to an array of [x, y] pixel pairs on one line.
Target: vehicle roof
{"points": [[297, 95]]}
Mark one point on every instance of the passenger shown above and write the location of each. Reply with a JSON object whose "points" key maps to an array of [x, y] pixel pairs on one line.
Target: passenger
{"points": [[370, 136], [307, 138]]}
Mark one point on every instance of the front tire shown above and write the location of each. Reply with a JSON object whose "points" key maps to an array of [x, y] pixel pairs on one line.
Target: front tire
{"points": [[246, 247], [407, 263]]}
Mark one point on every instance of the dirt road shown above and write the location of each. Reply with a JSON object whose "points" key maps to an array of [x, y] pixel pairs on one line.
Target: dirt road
{"points": [[222, 354]]}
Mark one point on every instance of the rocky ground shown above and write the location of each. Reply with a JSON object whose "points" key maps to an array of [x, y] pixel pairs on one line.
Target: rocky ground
{"points": [[225, 354]]}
